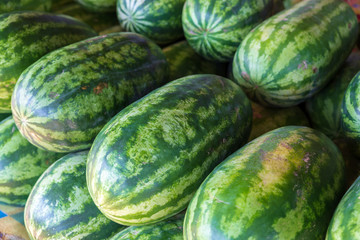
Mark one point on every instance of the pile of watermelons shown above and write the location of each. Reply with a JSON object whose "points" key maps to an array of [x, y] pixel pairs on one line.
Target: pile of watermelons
{"points": [[174, 119]]}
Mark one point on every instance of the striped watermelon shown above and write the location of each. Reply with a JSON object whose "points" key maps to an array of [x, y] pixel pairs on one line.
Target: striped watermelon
{"points": [[62, 101], [267, 119], [98, 21], [19, 5], [345, 223], [159, 20], [184, 61], [291, 56], [25, 37], [350, 115], [147, 162], [60, 207], [216, 28], [283, 185], [99, 5], [170, 229], [21, 164], [324, 108]]}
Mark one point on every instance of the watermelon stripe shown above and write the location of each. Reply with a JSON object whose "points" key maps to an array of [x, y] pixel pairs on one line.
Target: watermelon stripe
{"points": [[297, 59], [143, 150], [62, 101], [21, 164], [281, 185]]}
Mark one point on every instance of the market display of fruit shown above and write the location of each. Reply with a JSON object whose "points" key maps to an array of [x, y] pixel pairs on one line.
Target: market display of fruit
{"points": [[179, 120]]}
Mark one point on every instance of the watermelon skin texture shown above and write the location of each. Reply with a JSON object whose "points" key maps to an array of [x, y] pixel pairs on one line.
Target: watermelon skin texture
{"points": [[27, 36], [267, 119], [159, 20], [184, 61], [286, 183], [345, 223], [21, 164], [60, 207], [147, 162], [98, 21], [307, 43], [21, 5], [324, 108], [216, 28], [63, 100], [170, 229], [99, 5]]}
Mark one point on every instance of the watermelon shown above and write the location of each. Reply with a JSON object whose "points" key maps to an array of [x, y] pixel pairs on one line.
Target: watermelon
{"points": [[267, 119], [350, 115], [307, 43], [19, 5], [324, 108], [159, 20], [216, 28], [283, 185], [184, 61], [345, 223], [99, 5], [27, 36], [147, 162], [63, 100], [21, 164], [60, 207], [98, 21], [170, 229]]}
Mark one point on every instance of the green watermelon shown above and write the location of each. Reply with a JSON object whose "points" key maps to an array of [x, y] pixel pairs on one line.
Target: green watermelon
{"points": [[20, 5], [324, 108], [147, 162], [216, 28], [27, 36], [350, 114], [159, 20], [60, 207], [99, 5], [292, 55], [63, 100], [98, 21], [283, 185], [21, 164], [184, 61], [267, 119], [345, 223], [170, 229]]}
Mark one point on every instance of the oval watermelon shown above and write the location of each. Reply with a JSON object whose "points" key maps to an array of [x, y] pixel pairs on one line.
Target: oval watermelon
{"points": [[148, 161], [62, 101], [60, 207], [282, 185], [292, 55], [27, 36]]}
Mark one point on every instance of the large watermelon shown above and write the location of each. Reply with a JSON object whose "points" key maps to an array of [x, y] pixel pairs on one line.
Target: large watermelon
{"points": [[62, 101], [345, 223], [159, 20], [20, 5], [350, 114], [170, 229], [184, 61], [216, 28], [324, 108], [147, 162], [283, 185], [60, 207], [267, 119], [291, 56], [21, 164], [27, 36]]}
